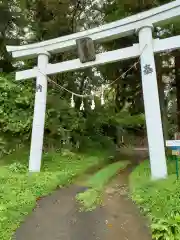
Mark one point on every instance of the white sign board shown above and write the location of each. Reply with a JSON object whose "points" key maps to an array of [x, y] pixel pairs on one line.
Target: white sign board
{"points": [[173, 143]]}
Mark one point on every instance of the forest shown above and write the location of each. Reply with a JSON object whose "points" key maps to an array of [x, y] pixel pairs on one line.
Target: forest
{"points": [[27, 22]]}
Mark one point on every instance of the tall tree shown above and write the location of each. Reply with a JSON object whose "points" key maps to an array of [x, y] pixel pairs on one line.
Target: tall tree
{"points": [[11, 28]]}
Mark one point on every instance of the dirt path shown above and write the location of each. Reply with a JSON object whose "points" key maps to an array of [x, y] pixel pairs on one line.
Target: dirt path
{"points": [[57, 217], [124, 218]]}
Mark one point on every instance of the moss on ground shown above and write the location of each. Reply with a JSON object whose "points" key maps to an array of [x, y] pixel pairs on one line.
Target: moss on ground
{"points": [[91, 198]]}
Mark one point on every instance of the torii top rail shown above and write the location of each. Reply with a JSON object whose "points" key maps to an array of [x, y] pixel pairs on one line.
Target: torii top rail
{"points": [[114, 30]]}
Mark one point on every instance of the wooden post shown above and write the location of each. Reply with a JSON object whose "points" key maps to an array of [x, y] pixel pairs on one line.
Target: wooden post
{"points": [[151, 104], [39, 114]]}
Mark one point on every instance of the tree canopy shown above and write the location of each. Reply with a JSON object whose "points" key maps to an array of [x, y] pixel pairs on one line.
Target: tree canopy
{"points": [[28, 21]]}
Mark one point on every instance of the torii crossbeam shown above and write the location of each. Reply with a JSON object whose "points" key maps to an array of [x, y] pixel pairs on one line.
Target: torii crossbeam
{"points": [[141, 24]]}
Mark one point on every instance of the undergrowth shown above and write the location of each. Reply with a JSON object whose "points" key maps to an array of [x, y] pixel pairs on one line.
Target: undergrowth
{"points": [[91, 198], [159, 200], [19, 191]]}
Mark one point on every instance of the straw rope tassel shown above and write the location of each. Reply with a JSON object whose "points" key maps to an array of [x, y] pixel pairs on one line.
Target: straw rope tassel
{"points": [[93, 102], [82, 105], [102, 95], [72, 101]]}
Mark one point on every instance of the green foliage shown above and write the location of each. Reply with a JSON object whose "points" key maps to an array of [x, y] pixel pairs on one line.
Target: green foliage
{"points": [[167, 229], [101, 178], [63, 124], [20, 190], [16, 106], [17, 167], [64, 127], [11, 28], [46, 16], [159, 200], [89, 199], [93, 196]]}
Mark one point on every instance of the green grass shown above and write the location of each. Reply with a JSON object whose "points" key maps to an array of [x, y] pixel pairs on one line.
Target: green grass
{"points": [[19, 191], [158, 200], [91, 198]]}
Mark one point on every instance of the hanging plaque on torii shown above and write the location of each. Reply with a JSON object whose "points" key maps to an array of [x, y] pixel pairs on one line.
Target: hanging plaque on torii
{"points": [[86, 50]]}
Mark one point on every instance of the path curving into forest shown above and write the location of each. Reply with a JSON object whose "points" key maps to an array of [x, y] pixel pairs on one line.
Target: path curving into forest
{"points": [[57, 217]]}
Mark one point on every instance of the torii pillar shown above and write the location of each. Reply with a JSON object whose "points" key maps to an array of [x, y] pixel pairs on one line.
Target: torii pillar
{"points": [[151, 104], [39, 114]]}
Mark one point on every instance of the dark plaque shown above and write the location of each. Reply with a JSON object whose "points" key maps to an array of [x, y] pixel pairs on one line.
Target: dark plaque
{"points": [[86, 50]]}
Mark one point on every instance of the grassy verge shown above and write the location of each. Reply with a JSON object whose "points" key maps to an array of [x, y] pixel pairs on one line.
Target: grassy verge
{"points": [[93, 196], [159, 200], [19, 191]]}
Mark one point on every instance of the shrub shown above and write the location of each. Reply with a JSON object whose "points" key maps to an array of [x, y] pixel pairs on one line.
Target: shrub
{"points": [[159, 200]]}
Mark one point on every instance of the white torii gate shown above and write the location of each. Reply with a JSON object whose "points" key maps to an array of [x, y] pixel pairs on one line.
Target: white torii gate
{"points": [[142, 24]]}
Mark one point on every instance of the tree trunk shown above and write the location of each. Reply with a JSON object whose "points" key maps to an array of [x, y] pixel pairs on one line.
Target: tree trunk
{"points": [[177, 81], [162, 101]]}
